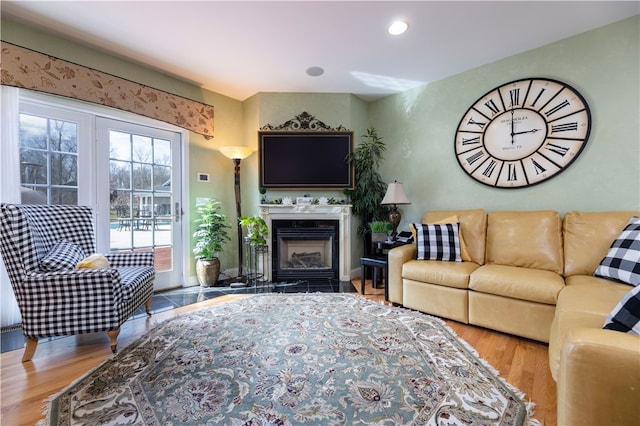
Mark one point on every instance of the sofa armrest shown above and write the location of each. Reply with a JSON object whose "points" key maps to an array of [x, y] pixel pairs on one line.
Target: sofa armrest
{"points": [[599, 378], [396, 258]]}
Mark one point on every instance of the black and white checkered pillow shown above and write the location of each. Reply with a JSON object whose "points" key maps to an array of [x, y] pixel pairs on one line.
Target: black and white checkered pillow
{"points": [[625, 316], [622, 262], [62, 256], [438, 241]]}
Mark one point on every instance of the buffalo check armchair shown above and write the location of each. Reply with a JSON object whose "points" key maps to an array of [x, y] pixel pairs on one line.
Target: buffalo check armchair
{"points": [[40, 247]]}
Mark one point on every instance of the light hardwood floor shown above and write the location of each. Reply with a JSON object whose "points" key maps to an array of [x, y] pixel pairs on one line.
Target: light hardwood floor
{"points": [[56, 364]]}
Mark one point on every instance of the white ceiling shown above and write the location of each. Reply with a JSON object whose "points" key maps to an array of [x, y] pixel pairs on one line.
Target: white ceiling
{"points": [[239, 48]]}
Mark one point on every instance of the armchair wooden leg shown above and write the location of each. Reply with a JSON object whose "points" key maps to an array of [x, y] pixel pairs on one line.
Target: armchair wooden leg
{"points": [[147, 306], [32, 344], [113, 335]]}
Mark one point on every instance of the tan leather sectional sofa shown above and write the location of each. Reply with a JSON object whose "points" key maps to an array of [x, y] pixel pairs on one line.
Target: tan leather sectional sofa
{"points": [[530, 273]]}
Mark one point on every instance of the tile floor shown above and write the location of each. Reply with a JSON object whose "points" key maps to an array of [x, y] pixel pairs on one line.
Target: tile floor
{"points": [[13, 339]]}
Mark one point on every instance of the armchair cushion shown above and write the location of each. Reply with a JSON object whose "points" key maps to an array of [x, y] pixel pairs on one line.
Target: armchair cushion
{"points": [[63, 255]]}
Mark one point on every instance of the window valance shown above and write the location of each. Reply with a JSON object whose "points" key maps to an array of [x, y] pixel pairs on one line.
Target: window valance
{"points": [[28, 69]]}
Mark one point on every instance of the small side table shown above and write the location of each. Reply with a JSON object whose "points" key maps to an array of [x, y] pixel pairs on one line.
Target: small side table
{"points": [[381, 247], [379, 262]]}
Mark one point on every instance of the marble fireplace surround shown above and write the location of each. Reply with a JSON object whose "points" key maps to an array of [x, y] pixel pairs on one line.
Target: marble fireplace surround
{"points": [[341, 213]]}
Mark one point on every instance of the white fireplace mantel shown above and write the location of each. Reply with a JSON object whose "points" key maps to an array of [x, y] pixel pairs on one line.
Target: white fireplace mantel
{"points": [[339, 212]]}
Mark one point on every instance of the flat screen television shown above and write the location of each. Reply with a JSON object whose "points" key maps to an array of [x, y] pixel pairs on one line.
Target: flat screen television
{"points": [[305, 160]]}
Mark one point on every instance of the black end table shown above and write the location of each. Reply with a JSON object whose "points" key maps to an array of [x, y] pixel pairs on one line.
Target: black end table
{"points": [[379, 262]]}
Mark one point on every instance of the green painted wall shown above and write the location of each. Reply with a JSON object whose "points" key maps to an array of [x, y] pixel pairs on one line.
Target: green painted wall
{"points": [[603, 65]]}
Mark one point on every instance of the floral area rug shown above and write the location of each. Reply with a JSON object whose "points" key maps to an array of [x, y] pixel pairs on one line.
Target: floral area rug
{"points": [[286, 359]]}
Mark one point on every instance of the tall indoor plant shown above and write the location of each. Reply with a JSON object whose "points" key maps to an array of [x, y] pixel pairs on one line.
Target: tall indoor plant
{"points": [[210, 237], [369, 187]]}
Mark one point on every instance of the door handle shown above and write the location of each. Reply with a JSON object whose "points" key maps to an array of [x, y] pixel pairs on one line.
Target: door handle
{"points": [[178, 212]]}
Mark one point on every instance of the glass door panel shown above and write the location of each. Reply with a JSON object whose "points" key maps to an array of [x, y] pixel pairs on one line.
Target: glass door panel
{"points": [[143, 171]]}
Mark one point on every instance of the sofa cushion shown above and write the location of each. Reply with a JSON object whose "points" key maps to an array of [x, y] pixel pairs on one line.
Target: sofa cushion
{"points": [[438, 241], [625, 316], [622, 262], [62, 256], [528, 239], [473, 228], [588, 236], [464, 252], [596, 296], [449, 274], [535, 285]]}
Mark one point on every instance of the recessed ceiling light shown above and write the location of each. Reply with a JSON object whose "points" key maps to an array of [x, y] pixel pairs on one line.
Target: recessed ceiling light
{"points": [[398, 27], [315, 71]]}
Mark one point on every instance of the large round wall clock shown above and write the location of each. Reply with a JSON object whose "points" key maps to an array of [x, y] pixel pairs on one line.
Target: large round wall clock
{"points": [[522, 133]]}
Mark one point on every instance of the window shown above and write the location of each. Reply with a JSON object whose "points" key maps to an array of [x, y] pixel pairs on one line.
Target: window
{"points": [[49, 157]]}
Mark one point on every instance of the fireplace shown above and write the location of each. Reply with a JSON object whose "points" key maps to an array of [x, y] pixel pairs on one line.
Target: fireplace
{"points": [[304, 250], [302, 217]]}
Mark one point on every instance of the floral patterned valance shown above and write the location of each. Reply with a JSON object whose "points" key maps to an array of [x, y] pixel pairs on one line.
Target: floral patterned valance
{"points": [[33, 70]]}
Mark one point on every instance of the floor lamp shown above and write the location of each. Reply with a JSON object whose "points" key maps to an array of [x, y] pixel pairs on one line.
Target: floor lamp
{"points": [[237, 153]]}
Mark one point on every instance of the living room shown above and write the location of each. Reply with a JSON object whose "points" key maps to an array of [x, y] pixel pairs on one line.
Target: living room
{"points": [[418, 126]]}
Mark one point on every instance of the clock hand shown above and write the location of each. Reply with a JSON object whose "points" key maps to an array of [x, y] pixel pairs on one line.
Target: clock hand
{"points": [[512, 124], [527, 131]]}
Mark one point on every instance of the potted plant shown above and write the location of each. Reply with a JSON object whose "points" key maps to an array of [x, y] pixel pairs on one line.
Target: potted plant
{"points": [[257, 230], [263, 197], [210, 237], [369, 187], [380, 229]]}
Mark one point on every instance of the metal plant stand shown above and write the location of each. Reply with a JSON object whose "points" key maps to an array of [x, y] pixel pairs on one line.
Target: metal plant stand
{"points": [[256, 266]]}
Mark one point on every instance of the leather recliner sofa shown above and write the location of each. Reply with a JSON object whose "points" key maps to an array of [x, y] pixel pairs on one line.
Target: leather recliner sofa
{"points": [[530, 273]]}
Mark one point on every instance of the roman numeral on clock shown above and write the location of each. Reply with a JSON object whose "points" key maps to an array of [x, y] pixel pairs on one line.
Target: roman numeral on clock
{"points": [[567, 127], [557, 108], [514, 94], [490, 168], [475, 157], [472, 121], [471, 141], [538, 167], [560, 150], [511, 173], [492, 106], [538, 97]]}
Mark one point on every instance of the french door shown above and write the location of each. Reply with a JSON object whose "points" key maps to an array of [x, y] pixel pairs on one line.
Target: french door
{"points": [[139, 175]]}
